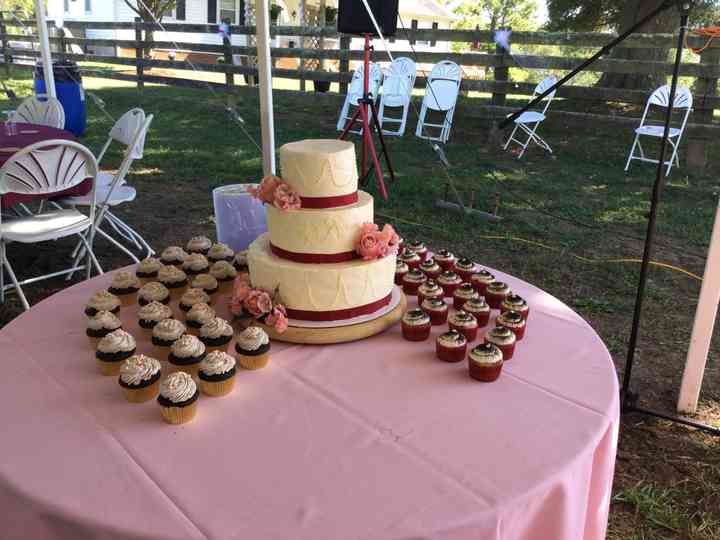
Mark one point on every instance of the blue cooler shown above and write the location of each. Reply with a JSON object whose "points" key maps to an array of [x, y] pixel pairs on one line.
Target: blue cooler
{"points": [[68, 86]]}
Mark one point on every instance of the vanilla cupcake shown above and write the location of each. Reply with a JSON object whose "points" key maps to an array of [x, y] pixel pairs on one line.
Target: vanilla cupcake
{"points": [[140, 378], [195, 263], [192, 297], [485, 362], [225, 274], [205, 282], [221, 252], [174, 279], [165, 334], [198, 315], [101, 325], [216, 334], [102, 301], [112, 350], [216, 374], [178, 398], [240, 262], [151, 314], [173, 256], [252, 348], [186, 354], [147, 269], [153, 292], [199, 244]]}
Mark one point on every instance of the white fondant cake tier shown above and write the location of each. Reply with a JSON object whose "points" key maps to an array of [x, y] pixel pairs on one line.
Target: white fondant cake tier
{"points": [[320, 287], [330, 231], [320, 167]]}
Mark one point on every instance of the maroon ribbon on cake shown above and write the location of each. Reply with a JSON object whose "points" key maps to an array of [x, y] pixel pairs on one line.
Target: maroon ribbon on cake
{"points": [[339, 314], [313, 258], [318, 203]]}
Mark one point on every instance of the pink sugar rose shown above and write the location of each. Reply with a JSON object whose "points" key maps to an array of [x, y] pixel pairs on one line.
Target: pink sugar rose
{"points": [[265, 192], [285, 198], [241, 289], [257, 303], [278, 318], [369, 247]]}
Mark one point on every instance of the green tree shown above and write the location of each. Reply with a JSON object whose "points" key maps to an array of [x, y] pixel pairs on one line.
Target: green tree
{"points": [[151, 11], [26, 7], [493, 14]]}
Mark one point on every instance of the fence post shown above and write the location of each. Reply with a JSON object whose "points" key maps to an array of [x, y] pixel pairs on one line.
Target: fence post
{"points": [[7, 59], [413, 29], [344, 61], [229, 76], [501, 74], [139, 54], [704, 87]]}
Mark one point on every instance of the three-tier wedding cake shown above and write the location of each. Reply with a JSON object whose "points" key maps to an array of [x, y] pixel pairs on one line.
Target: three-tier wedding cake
{"points": [[315, 256]]}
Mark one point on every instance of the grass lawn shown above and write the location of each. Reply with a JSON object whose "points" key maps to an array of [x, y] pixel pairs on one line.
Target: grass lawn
{"points": [[567, 219]]}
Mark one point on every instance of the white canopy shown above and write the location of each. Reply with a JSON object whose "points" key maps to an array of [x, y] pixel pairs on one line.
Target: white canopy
{"points": [[42, 29]]}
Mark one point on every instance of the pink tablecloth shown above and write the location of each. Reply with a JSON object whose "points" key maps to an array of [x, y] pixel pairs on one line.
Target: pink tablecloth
{"points": [[371, 440]]}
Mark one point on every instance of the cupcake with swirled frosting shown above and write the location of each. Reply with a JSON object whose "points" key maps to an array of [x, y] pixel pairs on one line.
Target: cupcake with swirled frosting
{"points": [[225, 274], [147, 269], [178, 398], [205, 282], [216, 334], [187, 353], [240, 261], [174, 279], [112, 350], [192, 297], [151, 314], [252, 348], [153, 292], [125, 286], [194, 264], [140, 378], [173, 256], [199, 244], [220, 252], [165, 334], [101, 325], [102, 301], [198, 315], [216, 374]]}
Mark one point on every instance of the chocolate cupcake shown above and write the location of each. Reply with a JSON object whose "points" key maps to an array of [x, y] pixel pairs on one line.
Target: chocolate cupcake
{"points": [[192, 297], [504, 339], [195, 263], [485, 363], [449, 281], [462, 294], [416, 325], [480, 280], [125, 286], [151, 314], [412, 281], [437, 309], [102, 301], [429, 289], [480, 309], [419, 247], [216, 374], [165, 334], [140, 378], [496, 292], [112, 350], [147, 269], [178, 398], [252, 348], [199, 244], [206, 283], [225, 274], [515, 302], [445, 259], [513, 321], [216, 334], [240, 261], [198, 315], [431, 268], [401, 269], [173, 256], [451, 346], [101, 325], [410, 258], [153, 292], [186, 354], [174, 279], [465, 323], [221, 252], [465, 268]]}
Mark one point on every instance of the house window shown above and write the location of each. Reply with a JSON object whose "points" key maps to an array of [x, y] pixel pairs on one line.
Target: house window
{"points": [[228, 11]]}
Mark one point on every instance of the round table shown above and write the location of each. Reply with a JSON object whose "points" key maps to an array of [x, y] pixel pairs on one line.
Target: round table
{"points": [[370, 440]]}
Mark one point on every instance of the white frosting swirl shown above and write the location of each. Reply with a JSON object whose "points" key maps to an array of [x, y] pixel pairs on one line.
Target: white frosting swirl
{"points": [[241, 258], [205, 282], [252, 338], [223, 270], [463, 319], [188, 347], [501, 336], [173, 254], [452, 339], [117, 341], [154, 311], [198, 243], [149, 265], [194, 296], [103, 301], [416, 317], [169, 330], [103, 320], [125, 280], [138, 368], [484, 354], [511, 319], [200, 313], [216, 328], [195, 262], [220, 251], [171, 274], [217, 363], [153, 291], [178, 387], [449, 278], [466, 293]]}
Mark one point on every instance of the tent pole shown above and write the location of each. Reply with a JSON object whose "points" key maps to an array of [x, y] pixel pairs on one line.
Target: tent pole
{"points": [[262, 17], [42, 30]]}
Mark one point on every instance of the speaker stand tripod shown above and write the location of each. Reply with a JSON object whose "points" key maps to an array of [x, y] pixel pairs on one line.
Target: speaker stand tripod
{"points": [[366, 111]]}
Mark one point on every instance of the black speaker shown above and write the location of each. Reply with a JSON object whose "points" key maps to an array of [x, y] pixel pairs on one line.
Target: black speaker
{"points": [[353, 17]]}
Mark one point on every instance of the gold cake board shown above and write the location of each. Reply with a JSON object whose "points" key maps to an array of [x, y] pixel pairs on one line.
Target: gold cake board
{"points": [[337, 334]]}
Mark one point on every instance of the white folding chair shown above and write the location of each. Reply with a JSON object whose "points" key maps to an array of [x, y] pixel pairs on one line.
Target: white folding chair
{"points": [[46, 168], [441, 93], [115, 194], [661, 98], [529, 121], [47, 111], [356, 91], [398, 84], [123, 132]]}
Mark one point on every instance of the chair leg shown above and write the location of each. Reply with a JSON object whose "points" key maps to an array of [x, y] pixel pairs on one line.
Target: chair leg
{"points": [[2, 273], [137, 237], [14, 280], [632, 153], [90, 258], [512, 136]]}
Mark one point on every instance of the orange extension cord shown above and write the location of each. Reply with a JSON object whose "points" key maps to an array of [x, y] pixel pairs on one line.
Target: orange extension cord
{"points": [[711, 32]]}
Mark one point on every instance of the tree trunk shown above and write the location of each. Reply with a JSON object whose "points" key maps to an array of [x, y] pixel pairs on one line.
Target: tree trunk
{"points": [[633, 11]]}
